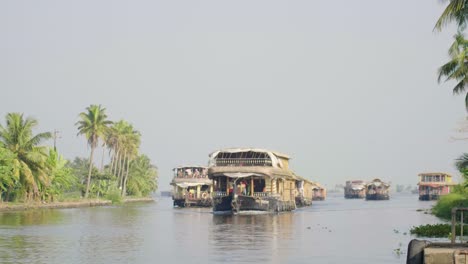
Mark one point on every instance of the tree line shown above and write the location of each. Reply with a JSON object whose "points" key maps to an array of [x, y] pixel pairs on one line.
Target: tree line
{"points": [[32, 171]]}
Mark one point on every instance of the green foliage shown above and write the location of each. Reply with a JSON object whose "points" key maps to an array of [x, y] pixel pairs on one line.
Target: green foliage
{"points": [[93, 124], [436, 230], [7, 176], [455, 69], [444, 205], [114, 195], [61, 176], [101, 184], [29, 163], [142, 177], [457, 11]]}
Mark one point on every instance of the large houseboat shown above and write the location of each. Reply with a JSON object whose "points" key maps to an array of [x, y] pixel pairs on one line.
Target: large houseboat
{"points": [[355, 189], [248, 181], [191, 186], [319, 193], [434, 184], [377, 190]]}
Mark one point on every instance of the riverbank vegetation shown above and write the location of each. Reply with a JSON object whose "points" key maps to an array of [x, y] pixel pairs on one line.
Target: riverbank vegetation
{"points": [[454, 70], [32, 172]]}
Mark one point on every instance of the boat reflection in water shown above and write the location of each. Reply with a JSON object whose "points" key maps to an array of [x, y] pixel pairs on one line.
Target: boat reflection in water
{"points": [[258, 236]]}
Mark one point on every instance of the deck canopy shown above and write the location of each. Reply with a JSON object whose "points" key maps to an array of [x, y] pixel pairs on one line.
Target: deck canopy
{"points": [[377, 183], [247, 157]]}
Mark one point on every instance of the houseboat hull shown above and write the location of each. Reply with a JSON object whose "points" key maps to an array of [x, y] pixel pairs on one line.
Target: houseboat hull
{"points": [[193, 203], [222, 205], [302, 202], [355, 196], [428, 197], [377, 196], [250, 205]]}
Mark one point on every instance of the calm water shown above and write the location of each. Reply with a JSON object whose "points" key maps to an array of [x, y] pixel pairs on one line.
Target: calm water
{"points": [[332, 231]]}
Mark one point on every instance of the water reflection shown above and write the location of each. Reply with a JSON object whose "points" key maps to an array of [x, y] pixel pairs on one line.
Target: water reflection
{"points": [[333, 231], [249, 238], [33, 217]]}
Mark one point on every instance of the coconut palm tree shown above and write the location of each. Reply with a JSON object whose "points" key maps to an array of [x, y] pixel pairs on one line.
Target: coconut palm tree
{"points": [[456, 10], [93, 124], [457, 68], [144, 177], [29, 158]]}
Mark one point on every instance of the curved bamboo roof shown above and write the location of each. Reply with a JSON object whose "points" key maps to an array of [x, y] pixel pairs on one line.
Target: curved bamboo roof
{"points": [[236, 150]]}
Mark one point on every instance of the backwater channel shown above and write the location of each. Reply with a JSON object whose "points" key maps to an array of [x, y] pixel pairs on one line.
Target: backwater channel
{"points": [[336, 230]]}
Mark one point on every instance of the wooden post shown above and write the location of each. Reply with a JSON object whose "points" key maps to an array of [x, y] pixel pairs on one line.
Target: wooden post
{"points": [[454, 222], [227, 186], [251, 186]]}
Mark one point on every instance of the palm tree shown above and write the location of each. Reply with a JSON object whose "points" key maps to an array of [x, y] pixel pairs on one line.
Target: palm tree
{"points": [[456, 10], [29, 158], [93, 125], [457, 68]]}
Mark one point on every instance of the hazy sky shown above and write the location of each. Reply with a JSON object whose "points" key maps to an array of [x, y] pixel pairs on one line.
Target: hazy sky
{"points": [[347, 88]]}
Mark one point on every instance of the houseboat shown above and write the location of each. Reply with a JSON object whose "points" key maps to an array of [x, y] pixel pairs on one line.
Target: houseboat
{"points": [[377, 190], [434, 184], [355, 189], [248, 181], [319, 193], [191, 186], [304, 191]]}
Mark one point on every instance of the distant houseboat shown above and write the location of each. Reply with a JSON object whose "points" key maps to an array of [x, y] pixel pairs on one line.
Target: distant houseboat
{"points": [[377, 190], [319, 193], [191, 186], [248, 181], [304, 191], [433, 185], [355, 189]]}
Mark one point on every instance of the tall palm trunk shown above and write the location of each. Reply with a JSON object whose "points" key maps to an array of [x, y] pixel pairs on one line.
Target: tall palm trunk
{"points": [[102, 158], [121, 169], [90, 170], [116, 162], [112, 155], [124, 189]]}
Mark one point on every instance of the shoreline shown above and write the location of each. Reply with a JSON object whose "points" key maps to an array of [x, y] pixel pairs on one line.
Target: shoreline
{"points": [[10, 207]]}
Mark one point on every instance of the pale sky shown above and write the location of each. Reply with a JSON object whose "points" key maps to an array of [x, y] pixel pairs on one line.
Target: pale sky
{"points": [[347, 88]]}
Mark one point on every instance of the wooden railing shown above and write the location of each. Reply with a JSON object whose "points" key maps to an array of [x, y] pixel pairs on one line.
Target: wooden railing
{"points": [[243, 162], [454, 222]]}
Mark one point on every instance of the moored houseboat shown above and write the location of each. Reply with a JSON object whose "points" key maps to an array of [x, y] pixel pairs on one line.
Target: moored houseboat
{"points": [[377, 190], [304, 191], [319, 193], [248, 181], [355, 189], [191, 186], [434, 184]]}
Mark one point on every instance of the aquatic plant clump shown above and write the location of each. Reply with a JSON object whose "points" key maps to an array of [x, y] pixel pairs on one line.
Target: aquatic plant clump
{"points": [[436, 230]]}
